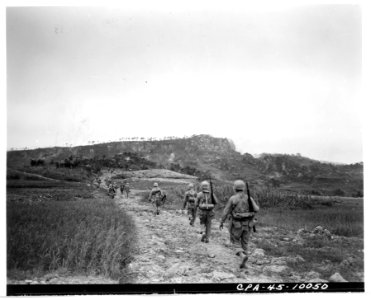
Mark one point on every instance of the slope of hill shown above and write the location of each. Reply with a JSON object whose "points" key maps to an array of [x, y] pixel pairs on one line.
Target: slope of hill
{"points": [[204, 156]]}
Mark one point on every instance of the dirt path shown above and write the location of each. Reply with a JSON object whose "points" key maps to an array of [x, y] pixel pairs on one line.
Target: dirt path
{"points": [[34, 175], [170, 250]]}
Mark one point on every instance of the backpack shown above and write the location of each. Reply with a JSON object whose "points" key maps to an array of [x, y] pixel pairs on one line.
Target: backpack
{"points": [[246, 215]]}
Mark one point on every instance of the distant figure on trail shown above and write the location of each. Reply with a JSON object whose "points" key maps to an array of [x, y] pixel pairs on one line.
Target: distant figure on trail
{"points": [[206, 202], [157, 198], [190, 202], [242, 208], [122, 188], [111, 191], [108, 182], [97, 182], [127, 189]]}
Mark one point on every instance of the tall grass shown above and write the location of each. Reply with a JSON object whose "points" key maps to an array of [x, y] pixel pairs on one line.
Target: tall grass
{"points": [[89, 235], [268, 197], [265, 196], [339, 220]]}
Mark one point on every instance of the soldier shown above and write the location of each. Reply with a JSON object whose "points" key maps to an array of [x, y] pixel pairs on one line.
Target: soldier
{"points": [[206, 203], [189, 202], [157, 197], [111, 190], [127, 189], [242, 221], [122, 188]]}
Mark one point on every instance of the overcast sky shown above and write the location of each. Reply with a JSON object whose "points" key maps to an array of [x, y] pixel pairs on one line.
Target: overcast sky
{"points": [[283, 80]]}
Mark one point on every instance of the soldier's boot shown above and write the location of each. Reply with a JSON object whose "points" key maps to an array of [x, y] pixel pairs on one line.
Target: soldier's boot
{"points": [[243, 264]]}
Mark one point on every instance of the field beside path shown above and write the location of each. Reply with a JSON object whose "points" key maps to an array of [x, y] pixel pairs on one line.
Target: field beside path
{"points": [[62, 232]]}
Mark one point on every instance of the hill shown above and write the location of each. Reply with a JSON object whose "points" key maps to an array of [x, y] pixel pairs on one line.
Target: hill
{"points": [[202, 156]]}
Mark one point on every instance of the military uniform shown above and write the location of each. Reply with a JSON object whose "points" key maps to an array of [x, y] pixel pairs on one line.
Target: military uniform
{"points": [[111, 190], [156, 197], [206, 207], [127, 189], [190, 202], [242, 221]]}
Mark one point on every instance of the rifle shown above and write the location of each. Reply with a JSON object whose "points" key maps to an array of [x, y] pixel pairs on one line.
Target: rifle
{"points": [[211, 192], [251, 209], [163, 199]]}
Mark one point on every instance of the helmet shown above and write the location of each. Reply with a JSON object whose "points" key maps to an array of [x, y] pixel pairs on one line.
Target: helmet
{"points": [[205, 186], [155, 184], [238, 185], [190, 186]]}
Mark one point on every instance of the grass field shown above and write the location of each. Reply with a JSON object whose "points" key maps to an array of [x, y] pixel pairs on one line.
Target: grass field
{"points": [[64, 174], [73, 228], [340, 219]]}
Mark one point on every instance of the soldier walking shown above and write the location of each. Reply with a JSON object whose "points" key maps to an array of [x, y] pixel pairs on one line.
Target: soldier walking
{"points": [[111, 190], [190, 202], [157, 198], [206, 202], [127, 189], [242, 209]]}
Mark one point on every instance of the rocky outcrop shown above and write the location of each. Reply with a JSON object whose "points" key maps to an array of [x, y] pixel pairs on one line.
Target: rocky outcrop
{"points": [[337, 278]]}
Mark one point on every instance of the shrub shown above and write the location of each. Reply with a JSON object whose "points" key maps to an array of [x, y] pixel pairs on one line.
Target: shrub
{"points": [[13, 176], [37, 162], [316, 192], [338, 192]]}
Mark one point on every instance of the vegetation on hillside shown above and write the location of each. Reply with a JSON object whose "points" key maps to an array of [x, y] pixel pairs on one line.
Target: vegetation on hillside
{"points": [[205, 157]]}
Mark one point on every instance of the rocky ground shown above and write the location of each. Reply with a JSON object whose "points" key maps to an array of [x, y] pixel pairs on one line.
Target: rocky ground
{"points": [[169, 250], [57, 278]]}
